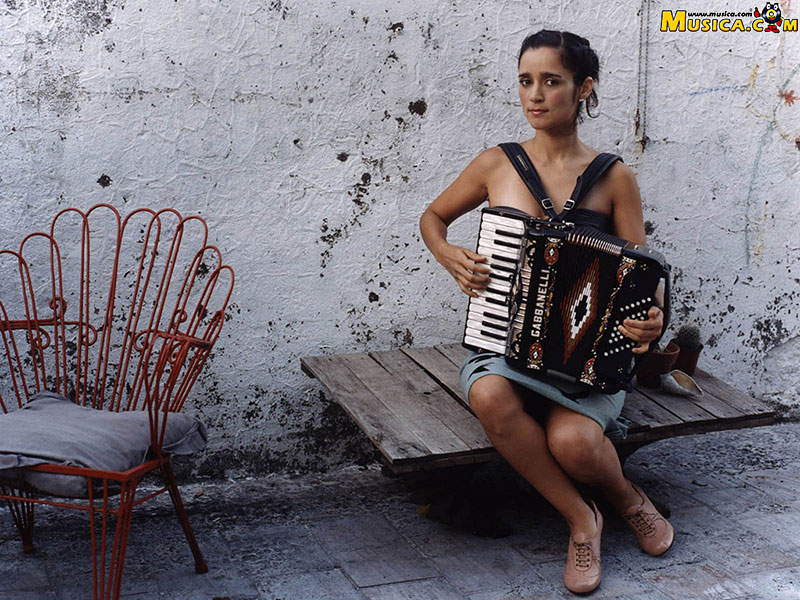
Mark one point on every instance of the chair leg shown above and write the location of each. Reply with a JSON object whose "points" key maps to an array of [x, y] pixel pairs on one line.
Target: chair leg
{"points": [[167, 473], [108, 573], [22, 513]]}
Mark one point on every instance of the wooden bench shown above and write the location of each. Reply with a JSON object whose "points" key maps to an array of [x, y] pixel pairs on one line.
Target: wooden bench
{"points": [[409, 403]]}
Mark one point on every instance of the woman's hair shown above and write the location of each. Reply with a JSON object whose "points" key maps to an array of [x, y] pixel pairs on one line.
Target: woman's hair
{"points": [[576, 56]]}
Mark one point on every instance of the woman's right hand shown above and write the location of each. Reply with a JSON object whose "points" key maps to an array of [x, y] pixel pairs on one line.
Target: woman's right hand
{"points": [[465, 267]]}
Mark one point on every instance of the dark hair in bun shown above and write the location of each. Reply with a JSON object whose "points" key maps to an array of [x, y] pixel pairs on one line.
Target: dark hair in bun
{"points": [[576, 55]]}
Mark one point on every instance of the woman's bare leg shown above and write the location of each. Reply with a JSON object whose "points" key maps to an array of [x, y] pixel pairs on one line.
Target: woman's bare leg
{"points": [[521, 440], [585, 453]]}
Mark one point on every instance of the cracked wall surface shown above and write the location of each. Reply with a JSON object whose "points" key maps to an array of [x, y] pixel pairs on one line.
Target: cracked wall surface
{"points": [[312, 135]]}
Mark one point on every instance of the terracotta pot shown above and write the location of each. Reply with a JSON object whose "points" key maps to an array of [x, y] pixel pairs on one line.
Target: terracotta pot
{"points": [[687, 359], [655, 364]]}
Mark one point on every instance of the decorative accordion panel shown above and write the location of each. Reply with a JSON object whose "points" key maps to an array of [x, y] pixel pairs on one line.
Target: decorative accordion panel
{"points": [[560, 294]]}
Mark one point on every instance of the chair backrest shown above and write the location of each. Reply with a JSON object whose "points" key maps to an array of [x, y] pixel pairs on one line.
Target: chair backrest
{"points": [[117, 313]]}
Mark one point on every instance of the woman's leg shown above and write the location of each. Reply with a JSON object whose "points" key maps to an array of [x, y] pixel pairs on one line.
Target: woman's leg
{"points": [[520, 439], [582, 449], [585, 453]]}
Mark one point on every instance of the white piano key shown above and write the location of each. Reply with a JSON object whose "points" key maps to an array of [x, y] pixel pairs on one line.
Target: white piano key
{"points": [[496, 311], [488, 294], [482, 304], [500, 241], [495, 247], [479, 315], [501, 286], [503, 276], [503, 230], [490, 248], [501, 266], [487, 334], [503, 257], [517, 225], [484, 344], [487, 325], [481, 335], [480, 312]]}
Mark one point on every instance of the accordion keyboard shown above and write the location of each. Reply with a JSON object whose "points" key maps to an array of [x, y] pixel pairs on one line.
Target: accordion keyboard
{"points": [[499, 241]]}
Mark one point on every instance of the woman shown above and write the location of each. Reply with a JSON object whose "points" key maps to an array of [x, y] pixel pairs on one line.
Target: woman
{"points": [[561, 439]]}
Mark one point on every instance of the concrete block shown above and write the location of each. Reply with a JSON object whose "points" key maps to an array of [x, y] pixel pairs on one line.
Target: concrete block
{"points": [[705, 580], [384, 564], [227, 580], [775, 584], [423, 589], [32, 594], [20, 571], [352, 532], [322, 585], [274, 549], [617, 580], [488, 570]]}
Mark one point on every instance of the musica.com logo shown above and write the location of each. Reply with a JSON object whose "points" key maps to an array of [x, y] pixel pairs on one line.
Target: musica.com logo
{"points": [[767, 19]]}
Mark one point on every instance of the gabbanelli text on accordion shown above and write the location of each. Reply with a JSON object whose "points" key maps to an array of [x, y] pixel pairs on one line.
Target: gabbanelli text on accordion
{"points": [[557, 294]]}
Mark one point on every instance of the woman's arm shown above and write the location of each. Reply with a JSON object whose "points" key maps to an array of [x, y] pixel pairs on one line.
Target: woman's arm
{"points": [[468, 191], [627, 204], [629, 225]]}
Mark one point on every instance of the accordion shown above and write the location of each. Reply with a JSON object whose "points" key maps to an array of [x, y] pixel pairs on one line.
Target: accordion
{"points": [[556, 295]]}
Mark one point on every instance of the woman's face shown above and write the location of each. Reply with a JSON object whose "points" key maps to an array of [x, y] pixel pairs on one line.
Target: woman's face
{"points": [[547, 93]]}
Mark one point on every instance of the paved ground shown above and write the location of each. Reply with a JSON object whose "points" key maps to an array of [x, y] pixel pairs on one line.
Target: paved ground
{"points": [[356, 534]]}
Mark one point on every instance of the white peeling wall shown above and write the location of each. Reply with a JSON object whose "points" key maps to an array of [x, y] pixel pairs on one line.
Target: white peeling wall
{"points": [[311, 136]]}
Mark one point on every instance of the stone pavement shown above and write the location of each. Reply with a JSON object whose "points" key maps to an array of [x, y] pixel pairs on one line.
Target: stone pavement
{"points": [[357, 534]]}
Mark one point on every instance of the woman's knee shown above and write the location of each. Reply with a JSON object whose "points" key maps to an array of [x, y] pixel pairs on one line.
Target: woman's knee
{"points": [[495, 402], [577, 446]]}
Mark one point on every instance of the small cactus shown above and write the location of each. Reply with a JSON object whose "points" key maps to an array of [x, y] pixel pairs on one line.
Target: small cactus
{"points": [[688, 337]]}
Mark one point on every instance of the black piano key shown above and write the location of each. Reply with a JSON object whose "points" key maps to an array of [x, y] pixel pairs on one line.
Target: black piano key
{"points": [[506, 244]]}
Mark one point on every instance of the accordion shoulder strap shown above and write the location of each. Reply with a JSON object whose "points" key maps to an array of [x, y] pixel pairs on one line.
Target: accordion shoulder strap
{"points": [[522, 163], [587, 179]]}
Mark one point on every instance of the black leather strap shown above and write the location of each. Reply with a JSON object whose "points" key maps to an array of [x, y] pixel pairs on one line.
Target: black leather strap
{"points": [[523, 165], [519, 158], [587, 179]]}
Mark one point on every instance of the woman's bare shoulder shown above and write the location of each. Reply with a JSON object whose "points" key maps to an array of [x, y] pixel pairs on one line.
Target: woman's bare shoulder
{"points": [[483, 167], [621, 178], [490, 158]]}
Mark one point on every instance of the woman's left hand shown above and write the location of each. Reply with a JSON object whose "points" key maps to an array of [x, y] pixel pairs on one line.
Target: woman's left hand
{"points": [[643, 332]]}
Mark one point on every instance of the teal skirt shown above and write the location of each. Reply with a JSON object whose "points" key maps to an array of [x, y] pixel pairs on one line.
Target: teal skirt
{"points": [[603, 408]]}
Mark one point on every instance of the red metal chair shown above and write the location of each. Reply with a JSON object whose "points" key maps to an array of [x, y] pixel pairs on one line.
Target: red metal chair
{"points": [[119, 314]]}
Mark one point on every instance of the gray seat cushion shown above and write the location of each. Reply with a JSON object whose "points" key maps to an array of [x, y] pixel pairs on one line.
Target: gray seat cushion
{"points": [[50, 429]]}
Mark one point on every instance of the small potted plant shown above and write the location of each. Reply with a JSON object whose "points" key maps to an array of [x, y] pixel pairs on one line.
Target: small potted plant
{"points": [[655, 364], [688, 340]]}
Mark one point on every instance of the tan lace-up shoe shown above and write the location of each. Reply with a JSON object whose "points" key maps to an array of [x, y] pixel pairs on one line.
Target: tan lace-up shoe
{"points": [[582, 572], [653, 531]]}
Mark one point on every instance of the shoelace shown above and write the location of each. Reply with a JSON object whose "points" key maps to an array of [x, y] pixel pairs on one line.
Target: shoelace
{"points": [[643, 522], [583, 555]]}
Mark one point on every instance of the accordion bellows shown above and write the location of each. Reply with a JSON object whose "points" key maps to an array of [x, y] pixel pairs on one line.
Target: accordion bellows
{"points": [[557, 294]]}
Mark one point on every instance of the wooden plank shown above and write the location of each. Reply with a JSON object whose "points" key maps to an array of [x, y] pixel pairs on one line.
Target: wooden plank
{"points": [[438, 462], [698, 427], [716, 406], [730, 395], [455, 352], [644, 412], [393, 437], [694, 408], [410, 405], [426, 390], [406, 404], [708, 402], [438, 366], [686, 410]]}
